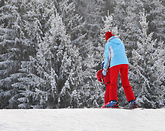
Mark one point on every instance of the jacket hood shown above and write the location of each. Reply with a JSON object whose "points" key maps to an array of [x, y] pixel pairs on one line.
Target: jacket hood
{"points": [[115, 40]]}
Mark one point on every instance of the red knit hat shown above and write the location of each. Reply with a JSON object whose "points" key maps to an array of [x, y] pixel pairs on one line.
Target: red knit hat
{"points": [[108, 34]]}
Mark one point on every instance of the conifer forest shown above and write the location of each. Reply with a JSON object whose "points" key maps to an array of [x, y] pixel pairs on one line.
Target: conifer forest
{"points": [[51, 50]]}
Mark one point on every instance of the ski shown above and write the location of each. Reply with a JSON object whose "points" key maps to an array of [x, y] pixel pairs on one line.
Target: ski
{"points": [[127, 108]]}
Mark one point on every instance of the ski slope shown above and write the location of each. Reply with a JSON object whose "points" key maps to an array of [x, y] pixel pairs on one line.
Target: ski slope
{"points": [[82, 120]]}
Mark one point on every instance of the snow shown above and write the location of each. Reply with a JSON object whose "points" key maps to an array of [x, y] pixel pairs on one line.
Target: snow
{"points": [[82, 120]]}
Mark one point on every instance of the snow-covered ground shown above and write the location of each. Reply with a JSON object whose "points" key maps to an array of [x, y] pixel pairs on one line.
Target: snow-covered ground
{"points": [[82, 120]]}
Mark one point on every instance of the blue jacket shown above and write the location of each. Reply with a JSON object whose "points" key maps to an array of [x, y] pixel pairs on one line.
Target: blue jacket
{"points": [[114, 53]]}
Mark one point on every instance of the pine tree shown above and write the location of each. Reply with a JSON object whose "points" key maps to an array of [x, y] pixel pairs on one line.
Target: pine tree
{"points": [[129, 26], [155, 16], [72, 20], [90, 10], [13, 49], [90, 50], [38, 25], [91, 90], [35, 18], [119, 15], [57, 64], [126, 16], [148, 64], [131, 23]]}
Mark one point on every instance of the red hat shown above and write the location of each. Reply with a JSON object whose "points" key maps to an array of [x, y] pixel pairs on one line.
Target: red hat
{"points": [[108, 34], [99, 75]]}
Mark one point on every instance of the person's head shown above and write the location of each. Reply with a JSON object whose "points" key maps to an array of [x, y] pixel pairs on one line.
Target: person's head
{"points": [[108, 35]]}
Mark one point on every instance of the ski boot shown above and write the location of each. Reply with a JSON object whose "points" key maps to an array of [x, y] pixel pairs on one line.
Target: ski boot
{"points": [[112, 104], [132, 104]]}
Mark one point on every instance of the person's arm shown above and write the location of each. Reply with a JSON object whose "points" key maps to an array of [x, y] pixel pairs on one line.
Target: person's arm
{"points": [[107, 54], [106, 60]]}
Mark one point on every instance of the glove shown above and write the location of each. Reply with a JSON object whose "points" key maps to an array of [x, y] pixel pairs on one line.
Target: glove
{"points": [[104, 72], [102, 64]]}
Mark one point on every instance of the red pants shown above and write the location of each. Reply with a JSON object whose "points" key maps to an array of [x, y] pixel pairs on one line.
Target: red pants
{"points": [[106, 95], [112, 87]]}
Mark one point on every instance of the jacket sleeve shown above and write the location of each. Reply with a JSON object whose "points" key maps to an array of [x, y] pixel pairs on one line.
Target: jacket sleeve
{"points": [[107, 55]]}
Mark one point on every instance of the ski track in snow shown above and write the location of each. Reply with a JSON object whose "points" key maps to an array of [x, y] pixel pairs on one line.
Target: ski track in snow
{"points": [[82, 120]]}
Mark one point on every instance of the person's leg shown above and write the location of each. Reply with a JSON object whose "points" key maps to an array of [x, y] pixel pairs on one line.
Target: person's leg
{"points": [[114, 71], [106, 80], [125, 82], [106, 96]]}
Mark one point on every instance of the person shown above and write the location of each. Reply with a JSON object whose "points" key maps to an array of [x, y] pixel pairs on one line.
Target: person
{"points": [[106, 81], [116, 59]]}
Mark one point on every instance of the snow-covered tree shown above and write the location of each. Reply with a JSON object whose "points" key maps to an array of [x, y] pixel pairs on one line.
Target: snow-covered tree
{"points": [[120, 14], [148, 69], [127, 16], [91, 11], [91, 48], [13, 49], [91, 90], [155, 16], [40, 63], [109, 25], [131, 23], [72, 20], [56, 69]]}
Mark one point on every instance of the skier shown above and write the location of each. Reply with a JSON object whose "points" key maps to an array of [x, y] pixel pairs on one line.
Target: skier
{"points": [[106, 81], [116, 59]]}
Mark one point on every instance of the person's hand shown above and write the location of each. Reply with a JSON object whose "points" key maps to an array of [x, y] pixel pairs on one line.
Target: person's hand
{"points": [[104, 72]]}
